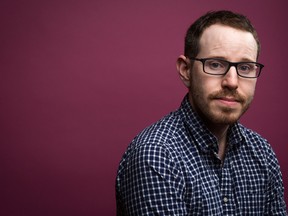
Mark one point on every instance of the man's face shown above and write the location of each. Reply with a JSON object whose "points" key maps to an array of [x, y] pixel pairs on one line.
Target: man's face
{"points": [[222, 99]]}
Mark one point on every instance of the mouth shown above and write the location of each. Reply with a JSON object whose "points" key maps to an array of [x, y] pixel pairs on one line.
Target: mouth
{"points": [[228, 101]]}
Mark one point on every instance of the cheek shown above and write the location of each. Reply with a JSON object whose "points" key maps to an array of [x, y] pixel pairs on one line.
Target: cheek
{"points": [[202, 86], [247, 89], [208, 83]]}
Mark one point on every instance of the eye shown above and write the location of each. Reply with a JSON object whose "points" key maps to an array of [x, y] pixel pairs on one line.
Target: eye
{"points": [[215, 64], [246, 68]]}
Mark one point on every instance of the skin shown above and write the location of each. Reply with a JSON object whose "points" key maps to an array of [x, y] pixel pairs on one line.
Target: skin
{"points": [[220, 100]]}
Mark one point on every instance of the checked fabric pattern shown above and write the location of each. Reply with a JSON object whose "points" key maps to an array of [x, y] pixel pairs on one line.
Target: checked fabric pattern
{"points": [[171, 168]]}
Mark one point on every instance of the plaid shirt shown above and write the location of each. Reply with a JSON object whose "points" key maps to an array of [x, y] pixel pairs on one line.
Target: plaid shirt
{"points": [[171, 168]]}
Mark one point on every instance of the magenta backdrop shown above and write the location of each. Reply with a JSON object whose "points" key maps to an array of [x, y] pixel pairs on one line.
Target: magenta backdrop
{"points": [[79, 79]]}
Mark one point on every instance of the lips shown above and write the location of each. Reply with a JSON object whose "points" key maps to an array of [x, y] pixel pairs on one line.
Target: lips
{"points": [[227, 96], [228, 99]]}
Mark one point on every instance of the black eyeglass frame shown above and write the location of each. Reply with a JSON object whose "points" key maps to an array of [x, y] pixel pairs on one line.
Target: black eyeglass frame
{"points": [[230, 64]]}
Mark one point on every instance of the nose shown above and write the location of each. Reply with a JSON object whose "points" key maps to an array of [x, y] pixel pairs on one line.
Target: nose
{"points": [[230, 79]]}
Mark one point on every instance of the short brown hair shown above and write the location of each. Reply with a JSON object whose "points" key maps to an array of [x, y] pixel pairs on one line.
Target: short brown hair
{"points": [[224, 17]]}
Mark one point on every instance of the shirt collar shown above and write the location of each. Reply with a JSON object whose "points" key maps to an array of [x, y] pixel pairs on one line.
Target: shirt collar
{"points": [[201, 134]]}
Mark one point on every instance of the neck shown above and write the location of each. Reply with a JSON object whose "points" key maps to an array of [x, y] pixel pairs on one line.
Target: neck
{"points": [[220, 131]]}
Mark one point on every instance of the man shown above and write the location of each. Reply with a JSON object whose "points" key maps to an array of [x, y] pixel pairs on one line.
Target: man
{"points": [[199, 160]]}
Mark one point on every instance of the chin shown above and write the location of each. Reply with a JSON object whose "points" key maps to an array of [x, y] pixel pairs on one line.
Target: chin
{"points": [[220, 115], [226, 118]]}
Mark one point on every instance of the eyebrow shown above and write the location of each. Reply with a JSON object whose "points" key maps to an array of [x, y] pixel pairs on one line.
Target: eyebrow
{"points": [[222, 58]]}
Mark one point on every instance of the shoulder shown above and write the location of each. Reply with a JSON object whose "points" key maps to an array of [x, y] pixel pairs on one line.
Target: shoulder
{"points": [[156, 142], [163, 131], [259, 145], [253, 137]]}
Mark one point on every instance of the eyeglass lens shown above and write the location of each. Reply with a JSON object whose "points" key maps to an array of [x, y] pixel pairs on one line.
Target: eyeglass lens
{"points": [[218, 67]]}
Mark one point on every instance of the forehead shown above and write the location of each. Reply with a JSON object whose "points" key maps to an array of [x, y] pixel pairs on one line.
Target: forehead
{"points": [[227, 42]]}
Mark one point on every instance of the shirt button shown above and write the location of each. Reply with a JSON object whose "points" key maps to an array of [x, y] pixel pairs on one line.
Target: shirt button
{"points": [[225, 199]]}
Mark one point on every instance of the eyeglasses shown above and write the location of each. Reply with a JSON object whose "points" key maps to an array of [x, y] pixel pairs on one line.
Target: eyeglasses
{"points": [[215, 66]]}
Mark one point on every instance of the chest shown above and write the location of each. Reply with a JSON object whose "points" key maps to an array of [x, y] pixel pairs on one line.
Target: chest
{"points": [[235, 187]]}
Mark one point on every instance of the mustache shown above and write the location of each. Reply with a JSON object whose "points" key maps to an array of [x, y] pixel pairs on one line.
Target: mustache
{"points": [[226, 93]]}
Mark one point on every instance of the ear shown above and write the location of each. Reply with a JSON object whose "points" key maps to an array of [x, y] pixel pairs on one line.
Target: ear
{"points": [[183, 68]]}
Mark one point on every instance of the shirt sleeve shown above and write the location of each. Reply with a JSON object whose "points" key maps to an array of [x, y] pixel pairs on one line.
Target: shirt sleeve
{"points": [[150, 183], [275, 204]]}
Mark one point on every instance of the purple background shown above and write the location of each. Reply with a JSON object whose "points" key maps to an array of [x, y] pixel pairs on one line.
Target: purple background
{"points": [[79, 79]]}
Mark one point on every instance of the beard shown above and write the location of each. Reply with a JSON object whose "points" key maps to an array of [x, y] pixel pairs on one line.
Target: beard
{"points": [[211, 113]]}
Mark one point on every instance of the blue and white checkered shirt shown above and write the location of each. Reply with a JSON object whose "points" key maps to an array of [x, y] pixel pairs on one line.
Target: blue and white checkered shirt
{"points": [[171, 168]]}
